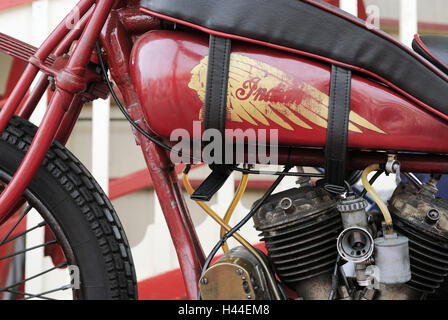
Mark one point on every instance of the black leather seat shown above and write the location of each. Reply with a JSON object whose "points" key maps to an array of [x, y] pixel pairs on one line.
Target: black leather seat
{"points": [[317, 28], [434, 48]]}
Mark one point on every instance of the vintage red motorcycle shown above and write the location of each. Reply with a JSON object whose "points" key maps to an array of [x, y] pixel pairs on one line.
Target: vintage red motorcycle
{"points": [[339, 94]]}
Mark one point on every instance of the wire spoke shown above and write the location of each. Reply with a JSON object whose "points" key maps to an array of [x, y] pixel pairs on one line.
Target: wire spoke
{"points": [[40, 295], [25, 212], [40, 225], [14, 289], [30, 295], [63, 264], [28, 249]]}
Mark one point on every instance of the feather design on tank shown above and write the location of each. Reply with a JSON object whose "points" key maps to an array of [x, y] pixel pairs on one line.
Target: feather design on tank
{"points": [[262, 94]]}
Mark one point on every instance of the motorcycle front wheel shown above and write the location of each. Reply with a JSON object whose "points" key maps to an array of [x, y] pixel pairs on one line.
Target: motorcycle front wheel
{"points": [[82, 235]]}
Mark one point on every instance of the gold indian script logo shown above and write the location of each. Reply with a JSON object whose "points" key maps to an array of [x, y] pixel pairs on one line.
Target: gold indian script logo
{"points": [[259, 93]]}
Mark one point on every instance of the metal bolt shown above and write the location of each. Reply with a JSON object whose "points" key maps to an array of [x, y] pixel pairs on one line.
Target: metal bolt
{"points": [[395, 167], [239, 272], [432, 216], [249, 296], [285, 203], [52, 83], [204, 280]]}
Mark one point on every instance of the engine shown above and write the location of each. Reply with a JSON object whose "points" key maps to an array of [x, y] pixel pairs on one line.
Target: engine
{"points": [[300, 227], [324, 246], [423, 218]]}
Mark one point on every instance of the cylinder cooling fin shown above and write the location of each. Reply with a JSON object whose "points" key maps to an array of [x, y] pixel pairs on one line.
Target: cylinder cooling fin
{"points": [[429, 258], [300, 227], [423, 218]]}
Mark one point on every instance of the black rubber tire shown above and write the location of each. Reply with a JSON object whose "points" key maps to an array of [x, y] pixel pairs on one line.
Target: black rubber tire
{"points": [[82, 211]]}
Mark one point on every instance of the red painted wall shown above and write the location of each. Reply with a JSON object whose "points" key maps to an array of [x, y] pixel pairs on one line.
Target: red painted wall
{"points": [[5, 4]]}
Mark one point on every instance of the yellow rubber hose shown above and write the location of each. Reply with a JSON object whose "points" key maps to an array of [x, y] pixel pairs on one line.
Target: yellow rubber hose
{"points": [[240, 239], [212, 213], [239, 193], [374, 195]]}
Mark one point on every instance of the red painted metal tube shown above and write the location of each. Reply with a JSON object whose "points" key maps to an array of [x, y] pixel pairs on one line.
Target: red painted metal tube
{"points": [[358, 160], [74, 34], [36, 94], [189, 252], [19, 49], [34, 156], [61, 30], [31, 71], [15, 71], [17, 95], [116, 42], [69, 82], [69, 119], [187, 221], [33, 99], [86, 43]]}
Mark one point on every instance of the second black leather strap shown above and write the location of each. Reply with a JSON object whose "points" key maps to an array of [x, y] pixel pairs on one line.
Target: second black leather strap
{"points": [[337, 130], [217, 82]]}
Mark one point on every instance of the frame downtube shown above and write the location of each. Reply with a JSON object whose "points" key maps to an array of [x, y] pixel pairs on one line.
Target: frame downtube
{"points": [[69, 82], [31, 71], [31, 102]]}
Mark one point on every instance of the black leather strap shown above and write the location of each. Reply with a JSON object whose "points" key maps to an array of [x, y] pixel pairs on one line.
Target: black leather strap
{"points": [[337, 130], [315, 27], [215, 112], [217, 82], [212, 183]]}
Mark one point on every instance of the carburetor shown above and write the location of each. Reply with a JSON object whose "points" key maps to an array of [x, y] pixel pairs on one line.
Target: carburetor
{"points": [[381, 259], [355, 243]]}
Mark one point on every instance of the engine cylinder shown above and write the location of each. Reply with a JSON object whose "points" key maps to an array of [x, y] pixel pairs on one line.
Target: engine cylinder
{"points": [[301, 239], [429, 259], [423, 218]]}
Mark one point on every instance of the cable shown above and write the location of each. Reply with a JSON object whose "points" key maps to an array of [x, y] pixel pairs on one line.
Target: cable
{"points": [[170, 149], [164, 145], [126, 114], [334, 279], [280, 173], [411, 177], [354, 177], [254, 209], [269, 277]]}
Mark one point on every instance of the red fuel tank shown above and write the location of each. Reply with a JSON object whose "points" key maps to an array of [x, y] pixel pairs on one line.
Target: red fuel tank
{"points": [[270, 89]]}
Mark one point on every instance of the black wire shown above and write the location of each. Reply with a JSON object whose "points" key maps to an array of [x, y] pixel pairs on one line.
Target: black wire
{"points": [[354, 177], [280, 173], [334, 279], [164, 145], [376, 175], [125, 113], [254, 209]]}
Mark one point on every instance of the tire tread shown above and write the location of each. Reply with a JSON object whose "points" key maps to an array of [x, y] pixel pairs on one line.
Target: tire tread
{"points": [[97, 209]]}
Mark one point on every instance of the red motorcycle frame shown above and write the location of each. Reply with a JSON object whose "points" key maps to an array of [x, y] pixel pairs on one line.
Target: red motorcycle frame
{"points": [[75, 80]]}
